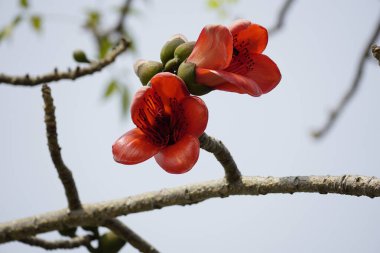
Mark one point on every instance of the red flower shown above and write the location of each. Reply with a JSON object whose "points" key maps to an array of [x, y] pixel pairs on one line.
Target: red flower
{"points": [[169, 122], [231, 59]]}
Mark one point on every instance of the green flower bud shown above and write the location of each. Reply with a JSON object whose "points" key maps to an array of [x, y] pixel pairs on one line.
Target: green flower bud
{"points": [[145, 70], [172, 65], [186, 72], [70, 232], [111, 243], [167, 51], [80, 56], [184, 50]]}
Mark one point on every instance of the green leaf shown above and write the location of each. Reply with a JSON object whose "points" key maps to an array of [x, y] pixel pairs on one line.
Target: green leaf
{"points": [[112, 87], [104, 47], [7, 30], [36, 22], [24, 4], [125, 101], [214, 4], [16, 21], [93, 19]]}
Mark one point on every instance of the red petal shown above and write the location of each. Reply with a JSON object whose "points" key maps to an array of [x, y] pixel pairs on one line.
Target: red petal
{"points": [[133, 147], [264, 72], [213, 48], [168, 85], [139, 103], [227, 81], [239, 25], [250, 36], [196, 115], [180, 157]]}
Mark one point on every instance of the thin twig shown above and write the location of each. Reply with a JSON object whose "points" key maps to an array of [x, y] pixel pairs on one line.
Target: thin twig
{"points": [[123, 14], [56, 75], [281, 17], [74, 242], [64, 173], [334, 114], [376, 52], [96, 214], [222, 154], [130, 236]]}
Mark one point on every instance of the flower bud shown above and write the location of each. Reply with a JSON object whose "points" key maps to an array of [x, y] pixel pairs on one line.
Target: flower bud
{"points": [[167, 51], [145, 70], [111, 243], [172, 65], [186, 72], [184, 50], [80, 56]]}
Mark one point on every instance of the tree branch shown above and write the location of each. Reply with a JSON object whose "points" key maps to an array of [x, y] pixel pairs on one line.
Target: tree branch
{"points": [[281, 17], [74, 242], [64, 173], [124, 10], [128, 235], [222, 154], [352, 90], [376, 52], [96, 214], [70, 74], [69, 184]]}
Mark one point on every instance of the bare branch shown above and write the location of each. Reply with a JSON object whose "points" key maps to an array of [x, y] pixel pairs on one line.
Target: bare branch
{"points": [[55, 151], [376, 52], [334, 114], [124, 10], [281, 17], [96, 214], [222, 154], [68, 181], [74, 242], [70, 74], [128, 235]]}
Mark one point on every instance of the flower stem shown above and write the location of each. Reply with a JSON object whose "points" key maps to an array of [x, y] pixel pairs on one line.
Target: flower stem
{"points": [[222, 154]]}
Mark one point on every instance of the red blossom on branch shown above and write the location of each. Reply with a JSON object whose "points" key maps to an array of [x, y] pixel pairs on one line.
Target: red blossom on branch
{"points": [[231, 59], [169, 122]]}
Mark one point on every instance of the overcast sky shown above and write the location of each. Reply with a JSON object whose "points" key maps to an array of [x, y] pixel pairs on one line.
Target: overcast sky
{"points": [[317, 52]]}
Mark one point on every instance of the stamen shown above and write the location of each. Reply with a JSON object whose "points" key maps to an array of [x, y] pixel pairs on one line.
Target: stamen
{"points": [[164, 128]]}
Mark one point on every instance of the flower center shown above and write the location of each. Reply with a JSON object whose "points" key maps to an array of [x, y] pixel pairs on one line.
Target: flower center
{"points": [[162, 127], [242, 61]]}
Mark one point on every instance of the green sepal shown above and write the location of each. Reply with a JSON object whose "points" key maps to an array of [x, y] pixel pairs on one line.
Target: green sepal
{"points": [[172, 65], [145, 70], [184, 50], [167, 51], [186, 72]]}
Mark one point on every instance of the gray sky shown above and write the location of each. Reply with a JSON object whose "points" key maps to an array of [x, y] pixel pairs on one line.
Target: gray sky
{"points": [[317, 53]]}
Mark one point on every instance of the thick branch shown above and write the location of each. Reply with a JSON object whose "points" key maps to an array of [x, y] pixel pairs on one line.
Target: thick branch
{"points": [[353, 88], [74, 242], [376, 52], [96, 214], [70, 74], [222, 154], [281, 17], [64, 173], [131, 237]]}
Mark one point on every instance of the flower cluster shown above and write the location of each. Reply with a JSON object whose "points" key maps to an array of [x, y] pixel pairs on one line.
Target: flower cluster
{"points": [[168, 118]]}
